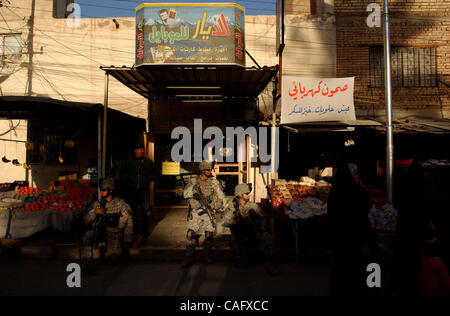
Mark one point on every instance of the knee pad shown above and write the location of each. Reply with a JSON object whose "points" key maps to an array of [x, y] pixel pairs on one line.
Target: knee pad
{"points": [[190, 235], [209, 235]]}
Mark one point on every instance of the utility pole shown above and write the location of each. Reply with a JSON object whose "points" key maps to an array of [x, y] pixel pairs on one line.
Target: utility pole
{"points": [[30, 49], [388, 94]]}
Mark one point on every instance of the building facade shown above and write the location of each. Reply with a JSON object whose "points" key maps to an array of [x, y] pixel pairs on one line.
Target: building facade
{"points": [[420, 47]]}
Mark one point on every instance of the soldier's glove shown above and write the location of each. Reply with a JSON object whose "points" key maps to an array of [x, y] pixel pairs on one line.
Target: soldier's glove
{"points": [[100, 211]]}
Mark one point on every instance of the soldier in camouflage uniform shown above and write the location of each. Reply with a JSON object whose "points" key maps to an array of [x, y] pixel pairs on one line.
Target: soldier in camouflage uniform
{"points": [[118, 223], [248, 227], [199, 221]]}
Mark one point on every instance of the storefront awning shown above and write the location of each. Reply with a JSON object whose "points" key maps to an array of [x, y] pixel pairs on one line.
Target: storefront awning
{"points": [[198, 83], [417, 125], [30, 107], [330, 126]]}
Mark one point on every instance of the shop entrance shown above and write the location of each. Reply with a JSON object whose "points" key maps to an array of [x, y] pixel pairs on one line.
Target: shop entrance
{"points": [[168, 190]]}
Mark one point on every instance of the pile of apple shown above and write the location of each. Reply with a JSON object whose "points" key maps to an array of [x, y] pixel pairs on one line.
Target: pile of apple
{"points": [[75, 199], [28, 190]]}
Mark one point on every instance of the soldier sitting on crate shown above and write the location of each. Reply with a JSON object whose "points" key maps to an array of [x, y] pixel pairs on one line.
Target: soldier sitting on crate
{"points": [[248, 227], [111, 226]]}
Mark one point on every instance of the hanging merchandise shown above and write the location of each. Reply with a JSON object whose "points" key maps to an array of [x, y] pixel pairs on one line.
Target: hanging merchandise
{"points": [[42, 150], [61, 160], [26, 166], [16, 162], [69, 143], [4, 159], [29, 145]]}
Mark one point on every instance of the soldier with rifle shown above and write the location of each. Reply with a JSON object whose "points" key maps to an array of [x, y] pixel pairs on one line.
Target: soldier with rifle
{"points": [[205, 198], [248, 227], [111, 226]]}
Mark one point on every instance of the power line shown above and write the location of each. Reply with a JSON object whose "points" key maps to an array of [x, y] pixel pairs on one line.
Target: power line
{"points": [[133, 10], [225, 1], [63, 44], [92, 82]]}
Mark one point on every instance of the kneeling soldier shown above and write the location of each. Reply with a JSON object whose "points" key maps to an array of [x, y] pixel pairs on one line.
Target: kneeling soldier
{"points": [[248, 227], [111, 226]]}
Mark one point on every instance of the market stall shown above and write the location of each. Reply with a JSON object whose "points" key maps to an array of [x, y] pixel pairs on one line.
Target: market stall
{"points": [[303, 204], [26, 211]]}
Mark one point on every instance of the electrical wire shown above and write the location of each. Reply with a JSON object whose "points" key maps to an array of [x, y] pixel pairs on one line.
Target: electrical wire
{"points": [[133, 10], [71, 73], [62, 43], [11, 128]]}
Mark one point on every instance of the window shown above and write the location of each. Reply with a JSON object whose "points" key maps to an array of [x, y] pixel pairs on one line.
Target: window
{"points": [[410, 66], [10, 47], [60, 8]]}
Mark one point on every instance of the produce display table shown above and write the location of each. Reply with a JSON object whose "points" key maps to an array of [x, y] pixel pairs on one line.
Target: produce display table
{"points": [[32, 213], [304, 205]]}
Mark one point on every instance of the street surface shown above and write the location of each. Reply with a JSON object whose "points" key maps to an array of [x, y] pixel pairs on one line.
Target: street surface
{"points": [[48, 277]]}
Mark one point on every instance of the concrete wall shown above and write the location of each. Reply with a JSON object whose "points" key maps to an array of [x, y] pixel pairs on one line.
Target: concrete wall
{"points": [[310, 46], [67, 58]]}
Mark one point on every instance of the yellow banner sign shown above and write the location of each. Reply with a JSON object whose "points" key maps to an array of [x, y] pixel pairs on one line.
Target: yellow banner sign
{"points": [[171, 168]]}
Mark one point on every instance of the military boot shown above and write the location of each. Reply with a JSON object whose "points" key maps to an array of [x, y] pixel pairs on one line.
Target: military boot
{"points": [[187, 262]]}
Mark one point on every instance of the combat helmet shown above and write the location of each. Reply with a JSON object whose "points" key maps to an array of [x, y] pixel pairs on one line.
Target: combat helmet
{"points": [[108, 183], [206, 165], [242, 188]]}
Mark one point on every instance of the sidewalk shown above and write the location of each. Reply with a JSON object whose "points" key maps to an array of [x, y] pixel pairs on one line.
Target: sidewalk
{"points": [[166, 243]]}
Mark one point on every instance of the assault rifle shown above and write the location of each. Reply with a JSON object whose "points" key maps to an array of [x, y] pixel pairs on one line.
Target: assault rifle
{"points": [[204, 202], [100, 224]]}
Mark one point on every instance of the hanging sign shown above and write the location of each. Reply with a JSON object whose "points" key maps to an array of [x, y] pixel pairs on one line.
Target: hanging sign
{"points": [[317, 99], [187, 33]]}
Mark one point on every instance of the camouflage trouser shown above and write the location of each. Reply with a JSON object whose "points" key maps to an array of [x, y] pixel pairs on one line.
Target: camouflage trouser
{"points": [[244, 239], [197, 225], [113, 245]]}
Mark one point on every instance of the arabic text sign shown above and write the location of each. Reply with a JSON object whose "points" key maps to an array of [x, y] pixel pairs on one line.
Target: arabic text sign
{"points": [[177, 33], [317, 99]]}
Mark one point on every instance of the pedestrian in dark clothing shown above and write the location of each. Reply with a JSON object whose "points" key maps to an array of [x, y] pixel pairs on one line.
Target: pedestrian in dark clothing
{"points": [[351, 236], [411, 232], [135, 177], [434, 279]]}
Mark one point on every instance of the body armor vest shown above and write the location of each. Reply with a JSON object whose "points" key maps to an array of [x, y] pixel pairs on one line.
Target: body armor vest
{"points": [[206, 186]]}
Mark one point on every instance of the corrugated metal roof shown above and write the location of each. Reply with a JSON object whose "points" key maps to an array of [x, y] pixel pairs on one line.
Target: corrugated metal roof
{"points": [[418, 125], [207, 83], [26, 107]]}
